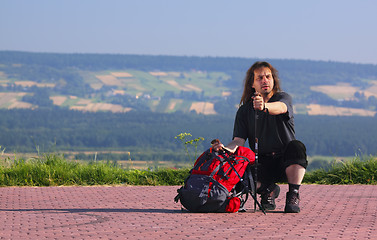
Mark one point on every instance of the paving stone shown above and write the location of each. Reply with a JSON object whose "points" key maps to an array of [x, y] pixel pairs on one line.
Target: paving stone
{"points": [[144, 212]]}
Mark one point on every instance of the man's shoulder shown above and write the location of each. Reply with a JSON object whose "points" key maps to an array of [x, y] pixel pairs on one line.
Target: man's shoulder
{"points": [[281, 95], [245, 107], [287, 100]]}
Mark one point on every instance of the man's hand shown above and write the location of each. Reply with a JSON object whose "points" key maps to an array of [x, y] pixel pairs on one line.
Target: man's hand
{"points": [[216, 145], [258, 102]]}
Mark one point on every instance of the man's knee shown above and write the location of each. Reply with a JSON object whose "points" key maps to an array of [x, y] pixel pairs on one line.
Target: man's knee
{"points": [[295, 153]]}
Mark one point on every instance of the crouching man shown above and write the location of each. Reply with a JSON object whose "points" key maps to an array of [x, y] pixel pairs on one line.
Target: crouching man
{"points": [[266, 114]]}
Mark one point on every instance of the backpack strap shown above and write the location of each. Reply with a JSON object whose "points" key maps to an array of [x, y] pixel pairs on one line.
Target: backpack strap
{"points": [[215, 170], [231, 165]]}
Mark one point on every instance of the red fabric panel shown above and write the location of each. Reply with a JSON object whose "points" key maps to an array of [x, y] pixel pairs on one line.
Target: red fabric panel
{"points": [[233, 205]]}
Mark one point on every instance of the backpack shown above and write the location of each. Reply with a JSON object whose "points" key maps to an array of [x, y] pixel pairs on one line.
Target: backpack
{"points": [[218, 181]]}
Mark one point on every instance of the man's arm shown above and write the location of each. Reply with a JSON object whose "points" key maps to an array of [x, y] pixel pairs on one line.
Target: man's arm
{"points": [[275, 108], [231, 147]]}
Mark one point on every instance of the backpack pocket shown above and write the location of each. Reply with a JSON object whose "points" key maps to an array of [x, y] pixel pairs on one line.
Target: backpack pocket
{"points": [[202, 193]]}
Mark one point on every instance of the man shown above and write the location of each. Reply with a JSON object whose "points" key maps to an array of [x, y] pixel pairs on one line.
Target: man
{"points": [[282, 158]]}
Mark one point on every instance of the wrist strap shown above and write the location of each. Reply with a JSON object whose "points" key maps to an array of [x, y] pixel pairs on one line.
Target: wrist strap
{"points": [[265, 109]]}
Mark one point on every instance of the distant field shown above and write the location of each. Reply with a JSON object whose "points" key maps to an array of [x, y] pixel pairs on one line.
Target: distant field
{"points": [[339, 91], [11, 100], [342, 91], [95, 107], [151, 164], [330, 158], [31, 84], [203, 108], [58, 100], [154, 85], [137, 83], [316, 109], [372, 90], [345, 91]]}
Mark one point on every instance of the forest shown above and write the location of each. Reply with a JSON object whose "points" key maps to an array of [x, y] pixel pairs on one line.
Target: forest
{"points": [[137, 131]]}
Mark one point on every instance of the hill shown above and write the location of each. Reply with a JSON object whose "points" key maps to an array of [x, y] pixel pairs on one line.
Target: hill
{"points": [[165, 84], [132, 106]]}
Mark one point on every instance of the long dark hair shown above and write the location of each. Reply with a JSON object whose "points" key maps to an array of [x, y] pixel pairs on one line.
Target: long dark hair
{"points": [[248, 90]]}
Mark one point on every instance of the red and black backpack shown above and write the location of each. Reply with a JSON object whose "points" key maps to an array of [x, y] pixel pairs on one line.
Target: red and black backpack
{"points": [[218, 181]]}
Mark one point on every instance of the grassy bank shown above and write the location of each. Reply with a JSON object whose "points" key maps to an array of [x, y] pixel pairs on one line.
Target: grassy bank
{"points": [[55, 170], [355, 171]]}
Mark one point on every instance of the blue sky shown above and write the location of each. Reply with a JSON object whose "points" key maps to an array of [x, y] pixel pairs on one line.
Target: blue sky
{"points": [[329, 30]]}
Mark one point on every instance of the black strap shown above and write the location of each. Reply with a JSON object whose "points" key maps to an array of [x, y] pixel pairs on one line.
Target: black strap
{"points": [[251, 193], [215, 170], [218, 166], [231, 165]]}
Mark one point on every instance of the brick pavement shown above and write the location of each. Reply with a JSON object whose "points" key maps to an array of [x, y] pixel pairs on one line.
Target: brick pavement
{"points": [[129, 212]]}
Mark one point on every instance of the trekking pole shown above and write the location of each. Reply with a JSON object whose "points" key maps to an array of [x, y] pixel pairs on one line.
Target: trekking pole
{"points": [[256, 154], [222, 152]]}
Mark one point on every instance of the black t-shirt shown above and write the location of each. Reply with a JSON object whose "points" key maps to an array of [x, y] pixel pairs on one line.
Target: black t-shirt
{"points": [[274, 132]]}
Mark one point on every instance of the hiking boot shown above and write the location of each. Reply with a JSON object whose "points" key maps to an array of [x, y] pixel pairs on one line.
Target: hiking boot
{"points": [[292, 203], [268, 198]]}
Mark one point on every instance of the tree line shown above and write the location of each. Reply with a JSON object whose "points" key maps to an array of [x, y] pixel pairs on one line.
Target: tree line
{"points": [[143, 131]]}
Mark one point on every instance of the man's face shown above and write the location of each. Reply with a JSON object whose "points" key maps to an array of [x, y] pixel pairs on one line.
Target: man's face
{"points": [[263, 81]]}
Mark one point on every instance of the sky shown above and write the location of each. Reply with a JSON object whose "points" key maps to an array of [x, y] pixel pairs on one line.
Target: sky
{"points": [[325, 30]]}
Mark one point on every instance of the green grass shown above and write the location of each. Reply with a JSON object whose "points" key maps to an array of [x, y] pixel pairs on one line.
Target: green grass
{"points": [[56, 170], [355, 171]]}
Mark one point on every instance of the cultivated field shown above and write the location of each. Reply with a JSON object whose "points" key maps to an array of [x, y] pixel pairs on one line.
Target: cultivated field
{"points": [[10, 100], [340, 91], [152, 86], [316, 109], [345, 91], [203, 108]]}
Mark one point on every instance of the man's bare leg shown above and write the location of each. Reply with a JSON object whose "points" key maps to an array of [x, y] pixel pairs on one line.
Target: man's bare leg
{"points": [[295, 174]]}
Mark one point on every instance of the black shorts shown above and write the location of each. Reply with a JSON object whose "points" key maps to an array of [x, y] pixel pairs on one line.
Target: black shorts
{"points": [[271, 168]]}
